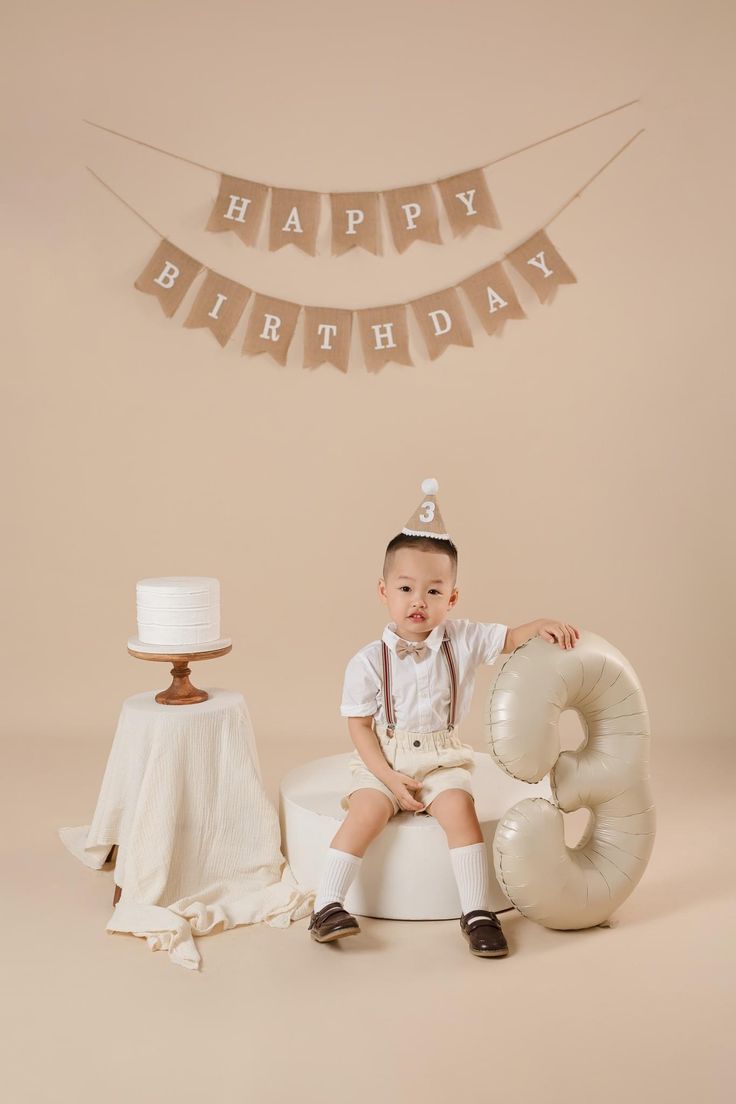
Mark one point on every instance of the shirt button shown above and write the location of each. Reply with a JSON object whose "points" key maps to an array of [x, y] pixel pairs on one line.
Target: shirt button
{"points": [[417, 743]]}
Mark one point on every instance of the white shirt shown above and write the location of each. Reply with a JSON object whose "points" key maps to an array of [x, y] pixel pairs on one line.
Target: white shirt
{"points": [[421, 690]]}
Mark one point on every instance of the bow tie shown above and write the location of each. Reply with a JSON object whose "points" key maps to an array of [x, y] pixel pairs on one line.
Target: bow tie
{"points": [[403, 649]]}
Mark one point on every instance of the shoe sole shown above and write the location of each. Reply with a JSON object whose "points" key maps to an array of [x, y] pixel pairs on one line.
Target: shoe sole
{"points": [[500, 953], [340, 933]]}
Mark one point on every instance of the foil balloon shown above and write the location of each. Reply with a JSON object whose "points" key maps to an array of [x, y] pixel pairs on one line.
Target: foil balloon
{"points": [[549, 882]]}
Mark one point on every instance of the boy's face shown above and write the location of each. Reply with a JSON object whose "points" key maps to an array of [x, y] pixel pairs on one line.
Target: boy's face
{"points": [[419, 590]]}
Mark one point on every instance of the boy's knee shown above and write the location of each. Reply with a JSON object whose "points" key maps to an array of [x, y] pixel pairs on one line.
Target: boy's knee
{"points": [[370, 808], [454, 804]]}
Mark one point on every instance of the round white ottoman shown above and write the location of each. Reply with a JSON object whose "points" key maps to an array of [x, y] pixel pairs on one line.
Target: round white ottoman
{"points": [[406, 872]]}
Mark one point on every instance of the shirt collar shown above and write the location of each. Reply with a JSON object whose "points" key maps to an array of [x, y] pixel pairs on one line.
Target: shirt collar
{"points": [[433, 641]]}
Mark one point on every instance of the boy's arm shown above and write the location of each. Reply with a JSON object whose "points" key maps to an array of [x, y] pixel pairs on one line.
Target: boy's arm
{"points": [[556, 632], [368, 747]]}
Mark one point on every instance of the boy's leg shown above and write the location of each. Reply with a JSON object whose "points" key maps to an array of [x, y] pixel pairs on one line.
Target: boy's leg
{"points": [[368, 813], [340, 867], [455, 810]]}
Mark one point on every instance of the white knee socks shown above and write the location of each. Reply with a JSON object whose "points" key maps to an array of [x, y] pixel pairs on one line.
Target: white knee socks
{"points": [[470, 866], [338, 872]]}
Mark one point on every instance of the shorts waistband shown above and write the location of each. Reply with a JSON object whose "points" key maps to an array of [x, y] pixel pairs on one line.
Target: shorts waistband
{"points": [[443, 737]]}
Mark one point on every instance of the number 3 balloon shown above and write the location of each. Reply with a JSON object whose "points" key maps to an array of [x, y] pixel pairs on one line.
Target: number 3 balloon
{"points": [[547, 881]]}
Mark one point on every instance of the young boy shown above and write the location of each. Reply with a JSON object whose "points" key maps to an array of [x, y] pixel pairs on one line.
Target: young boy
{"points": [[405, 696]]}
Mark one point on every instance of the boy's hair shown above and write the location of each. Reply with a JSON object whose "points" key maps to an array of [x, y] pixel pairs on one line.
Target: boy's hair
{"points": [[426, 544]]}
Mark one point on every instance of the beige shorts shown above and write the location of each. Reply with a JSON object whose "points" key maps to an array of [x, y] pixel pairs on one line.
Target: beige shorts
{"points": [[439, 760]]}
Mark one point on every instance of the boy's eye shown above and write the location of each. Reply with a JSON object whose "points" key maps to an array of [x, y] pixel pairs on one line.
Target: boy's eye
{"points": [[405, 587]]}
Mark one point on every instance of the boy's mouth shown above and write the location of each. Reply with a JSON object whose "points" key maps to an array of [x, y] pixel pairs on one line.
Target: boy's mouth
{"points": [[417, 617]]}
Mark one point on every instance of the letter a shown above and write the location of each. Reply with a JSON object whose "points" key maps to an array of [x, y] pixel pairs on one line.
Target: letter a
{"points": [[495, 302], [293, 223]]}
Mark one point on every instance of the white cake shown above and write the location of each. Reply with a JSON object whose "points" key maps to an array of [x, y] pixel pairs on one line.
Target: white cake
{"points": [[178, 611]]}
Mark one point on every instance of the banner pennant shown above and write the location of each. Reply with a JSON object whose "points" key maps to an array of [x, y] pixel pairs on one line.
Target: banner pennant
{"points": [[442, 321], [271, 327], [412, 215], [492, 297], [384, 335], [327, 333], [219, 304], [239, 207], [294, 219], [468, 202], [541, 265], [355, 222], [168, 275]]}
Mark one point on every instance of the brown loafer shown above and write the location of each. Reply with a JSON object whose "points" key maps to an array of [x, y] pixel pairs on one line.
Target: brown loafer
{"points": [[332, 922], [484, 935]]}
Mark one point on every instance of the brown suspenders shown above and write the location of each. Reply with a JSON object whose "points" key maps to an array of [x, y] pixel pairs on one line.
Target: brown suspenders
{"points": [[387, 695]]}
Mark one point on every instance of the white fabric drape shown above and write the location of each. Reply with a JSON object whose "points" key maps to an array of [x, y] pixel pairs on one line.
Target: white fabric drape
{"points": [[198, 838]]}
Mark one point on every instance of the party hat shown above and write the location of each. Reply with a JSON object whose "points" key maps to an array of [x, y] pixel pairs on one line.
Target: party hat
{"points": [[426, 521]]}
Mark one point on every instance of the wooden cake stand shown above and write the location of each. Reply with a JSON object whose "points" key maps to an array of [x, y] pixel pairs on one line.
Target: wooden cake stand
{"points": [[181, 691]]}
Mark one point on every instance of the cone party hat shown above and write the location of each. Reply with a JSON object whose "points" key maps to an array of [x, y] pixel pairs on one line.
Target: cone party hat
{"points": [[426, 521]]}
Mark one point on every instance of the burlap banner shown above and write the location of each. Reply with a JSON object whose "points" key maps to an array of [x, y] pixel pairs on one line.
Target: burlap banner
{"points": [[383, 331], [412, 212]]}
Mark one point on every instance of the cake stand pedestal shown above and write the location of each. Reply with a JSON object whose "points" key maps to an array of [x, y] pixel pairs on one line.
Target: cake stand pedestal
{"points": [[181, 691]]}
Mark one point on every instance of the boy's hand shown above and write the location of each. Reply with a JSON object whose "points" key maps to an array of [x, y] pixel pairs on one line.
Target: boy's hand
{"points": [[401, 785], [559, 632]]}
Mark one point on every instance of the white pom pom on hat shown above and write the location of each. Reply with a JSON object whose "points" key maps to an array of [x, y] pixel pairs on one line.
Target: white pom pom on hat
{"points": [[426, 521]]}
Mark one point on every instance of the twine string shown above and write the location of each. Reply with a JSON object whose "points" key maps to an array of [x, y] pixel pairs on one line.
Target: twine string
{"points": [[496, 161]]}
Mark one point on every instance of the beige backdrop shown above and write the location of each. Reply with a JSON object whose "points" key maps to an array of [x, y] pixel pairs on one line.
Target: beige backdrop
{"points": [[585, 458]]}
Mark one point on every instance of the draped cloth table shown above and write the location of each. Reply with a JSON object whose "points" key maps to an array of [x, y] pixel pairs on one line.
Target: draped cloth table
{"points": [[198, 838]]}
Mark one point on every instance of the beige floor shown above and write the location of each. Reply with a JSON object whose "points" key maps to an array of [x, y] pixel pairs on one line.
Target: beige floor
{"points": [[640, 1011]]}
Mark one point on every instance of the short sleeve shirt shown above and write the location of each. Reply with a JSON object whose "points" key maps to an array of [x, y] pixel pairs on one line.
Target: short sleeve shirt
{"points": [[421, 690]]}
